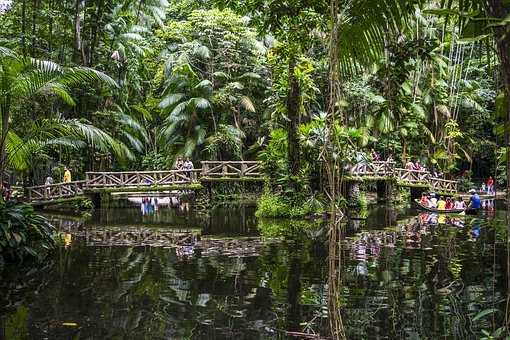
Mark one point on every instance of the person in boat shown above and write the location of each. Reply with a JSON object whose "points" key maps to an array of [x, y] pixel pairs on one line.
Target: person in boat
{"points": [[441, 204], [424, 200], [459, 203], [433, 201], [449, 204], [474, 200]]}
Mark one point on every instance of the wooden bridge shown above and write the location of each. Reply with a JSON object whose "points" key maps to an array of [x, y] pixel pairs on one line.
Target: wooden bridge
{"points": [[147, 180], [405, 177], [219, 171]]}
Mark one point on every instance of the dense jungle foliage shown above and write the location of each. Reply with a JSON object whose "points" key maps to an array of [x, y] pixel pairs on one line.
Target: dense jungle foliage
{"points": [[123, 84]]}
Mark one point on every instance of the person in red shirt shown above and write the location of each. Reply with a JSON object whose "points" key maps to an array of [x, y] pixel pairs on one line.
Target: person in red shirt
{"points": [[490, 185]]}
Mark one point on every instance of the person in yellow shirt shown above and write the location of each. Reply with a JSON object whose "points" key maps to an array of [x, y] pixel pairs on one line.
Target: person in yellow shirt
{"points": [[67, 175], [441, 204]]}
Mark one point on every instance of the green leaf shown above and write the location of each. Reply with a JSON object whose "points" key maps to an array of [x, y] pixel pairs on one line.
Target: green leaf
{"points": [[484, 313]]}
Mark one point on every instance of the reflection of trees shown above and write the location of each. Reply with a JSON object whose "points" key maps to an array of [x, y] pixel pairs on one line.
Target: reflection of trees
{"points": [[426, 281], [335, 273]]}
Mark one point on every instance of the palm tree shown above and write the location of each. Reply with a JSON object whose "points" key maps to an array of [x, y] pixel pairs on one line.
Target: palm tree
{"points": [[187, 104], [25, 79]]}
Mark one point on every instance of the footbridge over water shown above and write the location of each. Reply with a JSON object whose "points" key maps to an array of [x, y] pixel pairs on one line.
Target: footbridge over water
{"points": [[219, 171]]}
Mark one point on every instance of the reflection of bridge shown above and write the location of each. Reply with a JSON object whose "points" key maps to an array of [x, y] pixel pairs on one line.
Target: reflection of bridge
{"points": [[97, 182], [139, 237]]}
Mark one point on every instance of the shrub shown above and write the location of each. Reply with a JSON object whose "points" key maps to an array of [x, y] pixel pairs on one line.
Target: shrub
{"points": [[272, 205], [23, 233]]}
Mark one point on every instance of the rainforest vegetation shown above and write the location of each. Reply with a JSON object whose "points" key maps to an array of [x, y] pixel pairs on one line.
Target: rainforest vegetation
{"points": [[301, 86], [309, 89]]}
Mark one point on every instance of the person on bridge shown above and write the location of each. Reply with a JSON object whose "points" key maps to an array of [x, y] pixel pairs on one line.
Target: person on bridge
{"points": [[417, 166], [474, 201], [67, 175], [410, 165], [47, 183], [178, 164], [490, 186], [188, 166]]}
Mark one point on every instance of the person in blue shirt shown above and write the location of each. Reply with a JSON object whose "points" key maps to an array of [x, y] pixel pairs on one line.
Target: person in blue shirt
{"points": [[474, 201]]}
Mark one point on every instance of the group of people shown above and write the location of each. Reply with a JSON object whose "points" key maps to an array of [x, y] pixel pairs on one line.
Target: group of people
{"points": [[441, 203], [414, 166], [450, 203], [183, 165]]}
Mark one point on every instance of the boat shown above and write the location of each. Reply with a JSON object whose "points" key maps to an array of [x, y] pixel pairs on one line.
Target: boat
{"points": [[449, 211]]}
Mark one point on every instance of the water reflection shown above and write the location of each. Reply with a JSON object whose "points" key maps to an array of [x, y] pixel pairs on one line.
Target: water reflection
{"points": [[407, 277]]}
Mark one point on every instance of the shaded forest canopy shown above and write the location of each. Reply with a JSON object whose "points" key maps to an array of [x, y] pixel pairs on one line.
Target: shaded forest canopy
{"points": [[136, 84]]}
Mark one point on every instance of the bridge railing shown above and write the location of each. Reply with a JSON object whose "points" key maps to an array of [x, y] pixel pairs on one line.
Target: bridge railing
{"points": [[374, 169], [54, 191], [440, 184], [140, 178], [231, 169], [409, 176]]}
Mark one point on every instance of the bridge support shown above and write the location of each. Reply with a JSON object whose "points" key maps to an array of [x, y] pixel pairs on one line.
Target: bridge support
{"points": [[95, 197], [385, 191], [416, 192], [353, 193]]}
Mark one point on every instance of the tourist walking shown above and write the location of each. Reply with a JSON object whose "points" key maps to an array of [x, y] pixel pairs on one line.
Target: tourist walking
{"points": [[67, 175], [490, 186], [188, 166], [47, 183], [178, 164], [6, 190]]}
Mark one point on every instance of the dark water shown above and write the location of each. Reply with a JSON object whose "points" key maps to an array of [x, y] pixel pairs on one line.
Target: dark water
{"points": [[401, 278]]}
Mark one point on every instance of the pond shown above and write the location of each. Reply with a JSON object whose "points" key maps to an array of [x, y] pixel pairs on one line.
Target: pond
{"points": [[141, 270]]}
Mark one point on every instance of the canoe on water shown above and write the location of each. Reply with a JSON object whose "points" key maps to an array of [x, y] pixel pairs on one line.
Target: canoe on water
{"points": [[450, 211]]}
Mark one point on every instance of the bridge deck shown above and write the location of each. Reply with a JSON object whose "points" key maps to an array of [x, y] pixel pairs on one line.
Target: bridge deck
{"points": [[222, 171]]}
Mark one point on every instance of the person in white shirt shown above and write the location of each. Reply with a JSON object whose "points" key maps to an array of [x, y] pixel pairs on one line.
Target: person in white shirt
{"points": [[459, 204]]}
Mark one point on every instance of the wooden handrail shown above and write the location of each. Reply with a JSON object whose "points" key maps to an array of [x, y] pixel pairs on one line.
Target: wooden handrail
{"points": [[55, 185], [220, 169]]}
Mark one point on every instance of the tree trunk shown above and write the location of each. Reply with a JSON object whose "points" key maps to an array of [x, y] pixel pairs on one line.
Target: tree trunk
{"points": [[78, 45], [50, 27], [35, 5], [3, 142], [95, 31], [497, 9], [293, 118], [24, 27]]}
